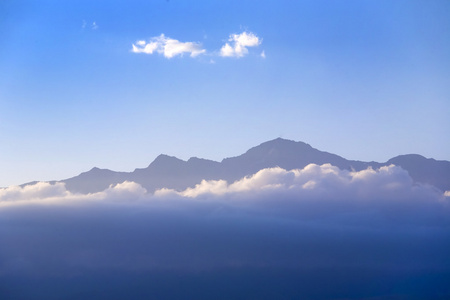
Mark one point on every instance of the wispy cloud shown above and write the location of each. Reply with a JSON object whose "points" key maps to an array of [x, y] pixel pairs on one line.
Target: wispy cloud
{"points": [[93, 25], [168, 47], [239, 43]]}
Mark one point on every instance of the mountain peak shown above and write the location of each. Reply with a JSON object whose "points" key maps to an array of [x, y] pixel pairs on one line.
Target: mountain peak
{"points": [[280, 142], [166, 157], [409, 157], [279, 146], [197, 159], [164, 160], [96, 170]]}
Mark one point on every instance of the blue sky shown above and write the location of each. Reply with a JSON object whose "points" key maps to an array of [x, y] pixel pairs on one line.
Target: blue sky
{"points": [[366, 80]]}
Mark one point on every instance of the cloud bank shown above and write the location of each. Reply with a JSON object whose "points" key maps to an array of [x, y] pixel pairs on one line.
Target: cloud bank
{"points": [[168, 47], [312, 182], [315, 181], [315, 190], [277, 232]]}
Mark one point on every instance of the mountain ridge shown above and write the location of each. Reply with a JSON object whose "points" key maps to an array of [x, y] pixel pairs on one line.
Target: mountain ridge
{"points": [[171, 172]]}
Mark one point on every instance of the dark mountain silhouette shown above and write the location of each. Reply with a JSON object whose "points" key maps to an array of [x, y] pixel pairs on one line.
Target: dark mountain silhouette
{"points": [[171, 172], [285, 154], [425, 170], [95, 180]]}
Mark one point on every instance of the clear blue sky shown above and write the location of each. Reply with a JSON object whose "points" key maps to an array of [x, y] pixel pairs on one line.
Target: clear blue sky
{"points": [[366, 80]]}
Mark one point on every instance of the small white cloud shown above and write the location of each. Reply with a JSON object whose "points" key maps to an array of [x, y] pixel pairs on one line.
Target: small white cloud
{"points": [[149, 48], [126, 190], [215, 187], [94, 26], [227, 50], [168, 47], [239, 44], [263, 54]]}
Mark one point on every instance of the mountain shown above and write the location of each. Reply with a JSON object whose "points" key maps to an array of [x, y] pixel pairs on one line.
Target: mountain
{"points": [[94, 180], [425, 170], [171, 172], [285, 154]]}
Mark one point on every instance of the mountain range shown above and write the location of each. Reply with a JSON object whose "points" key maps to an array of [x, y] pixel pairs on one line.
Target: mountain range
{"points": [[171, 172]]}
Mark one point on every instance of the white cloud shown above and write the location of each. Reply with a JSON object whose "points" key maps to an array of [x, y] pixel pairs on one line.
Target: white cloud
{"points": [[38, 191], [239, 44], [168, 47], [94, 25], [227, 50], [314, 181], [124, 191], [46, 193]]}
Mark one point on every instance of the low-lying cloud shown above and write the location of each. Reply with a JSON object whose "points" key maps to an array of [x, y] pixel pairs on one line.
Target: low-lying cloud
{"points": [[315, 181], [321, 182], [267, 232], [315, 191]]}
